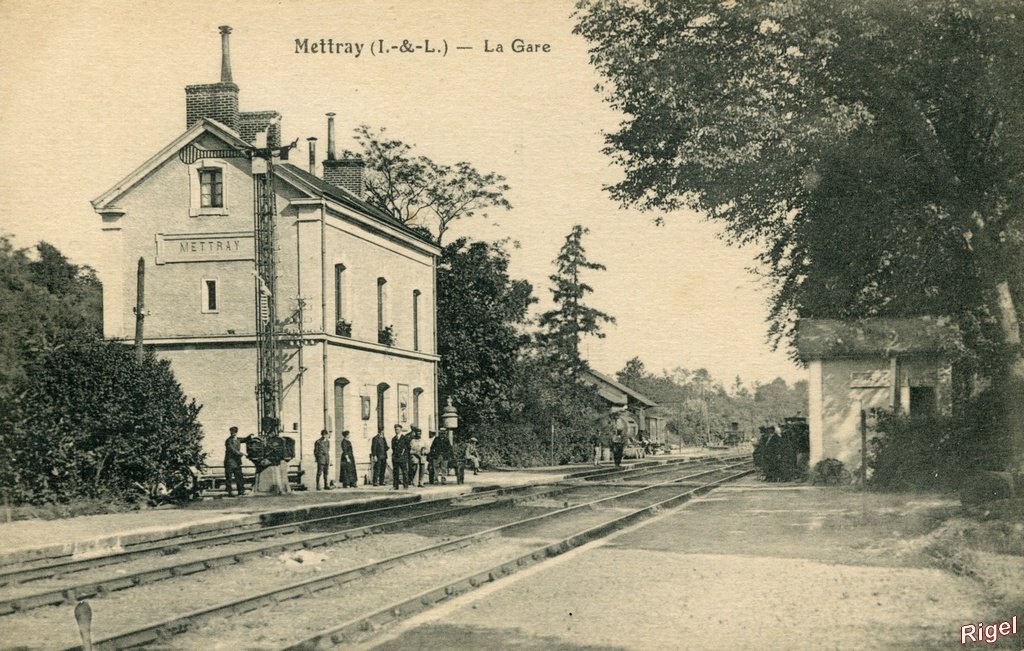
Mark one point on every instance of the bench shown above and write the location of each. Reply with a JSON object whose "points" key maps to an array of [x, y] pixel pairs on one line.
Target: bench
{"points": [[212, 479]]}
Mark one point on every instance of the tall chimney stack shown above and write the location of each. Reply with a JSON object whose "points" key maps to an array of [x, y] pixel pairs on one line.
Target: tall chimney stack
{"points": [[312, 154], [330, 136], [225, 54]]}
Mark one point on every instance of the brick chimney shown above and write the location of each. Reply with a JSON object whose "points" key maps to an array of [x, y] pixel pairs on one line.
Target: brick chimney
{"points": [[346, 174], [217, 101], [252, 122]]}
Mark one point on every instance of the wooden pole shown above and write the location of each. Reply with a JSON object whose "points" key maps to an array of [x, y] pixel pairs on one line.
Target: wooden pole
{"points": [[863, 448], [140, 307]]}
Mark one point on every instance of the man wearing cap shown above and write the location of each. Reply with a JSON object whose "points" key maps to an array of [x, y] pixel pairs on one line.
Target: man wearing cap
{"points": [[322, 454], [440, 455], [379, 458], [233, 462], [419, 457], [399, 458]]}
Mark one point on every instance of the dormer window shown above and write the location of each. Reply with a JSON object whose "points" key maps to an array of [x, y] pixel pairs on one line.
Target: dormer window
{"points": [[209, 193], [211, 187]]}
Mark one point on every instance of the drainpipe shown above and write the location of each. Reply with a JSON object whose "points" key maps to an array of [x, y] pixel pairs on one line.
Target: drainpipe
{"points": [[323, 300], [302, 337], [433, 270]]}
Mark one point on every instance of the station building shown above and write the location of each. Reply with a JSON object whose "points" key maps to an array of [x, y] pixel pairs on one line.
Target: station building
{"points": [[355, 287], [635, 413], [896, 365]]}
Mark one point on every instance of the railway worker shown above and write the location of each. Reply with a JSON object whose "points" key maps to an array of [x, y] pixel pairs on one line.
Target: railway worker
{"points": [[418, 454], [595, 442], [233, 462], [349, 479], [472, 456], [440, 454], [618, 447], [399, 458], [322, 454], [378, 458]]}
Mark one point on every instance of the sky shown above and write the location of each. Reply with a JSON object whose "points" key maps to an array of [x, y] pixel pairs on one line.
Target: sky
{"points": [[92, 89]]}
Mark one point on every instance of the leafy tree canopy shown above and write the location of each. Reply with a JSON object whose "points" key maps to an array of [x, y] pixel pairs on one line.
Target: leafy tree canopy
{"points": [[481, 313], [875, 150], [417, 190]]}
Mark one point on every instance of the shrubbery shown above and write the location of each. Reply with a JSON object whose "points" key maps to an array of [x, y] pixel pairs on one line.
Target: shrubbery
{"points": [[830, 472], [936, 452], [91, 421]]}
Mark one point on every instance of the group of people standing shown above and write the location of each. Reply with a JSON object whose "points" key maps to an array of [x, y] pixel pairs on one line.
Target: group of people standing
{"points": [[413, 458], [322, 454]]}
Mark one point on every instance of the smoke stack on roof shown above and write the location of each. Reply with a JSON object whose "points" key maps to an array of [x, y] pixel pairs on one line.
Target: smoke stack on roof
{"points": [[346, 174], [225, 55], [312, 154], [217, 101], [330, 136]]}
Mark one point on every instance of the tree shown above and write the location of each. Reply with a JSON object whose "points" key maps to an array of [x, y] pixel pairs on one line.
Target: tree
{"points": [[874, 150], [415, 189], [42, 300], [632, 373], [564, 326], [481, 313]]}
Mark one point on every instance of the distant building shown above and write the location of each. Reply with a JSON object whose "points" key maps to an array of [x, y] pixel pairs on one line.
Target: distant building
{"points": [[637, 412], [873, 364], [355, 288]]}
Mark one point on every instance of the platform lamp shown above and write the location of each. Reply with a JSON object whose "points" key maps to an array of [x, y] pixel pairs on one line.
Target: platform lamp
{"points": [[450, 419]]}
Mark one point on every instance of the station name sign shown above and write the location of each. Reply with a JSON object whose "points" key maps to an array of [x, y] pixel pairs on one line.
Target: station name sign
{"points": [[204, 247]]}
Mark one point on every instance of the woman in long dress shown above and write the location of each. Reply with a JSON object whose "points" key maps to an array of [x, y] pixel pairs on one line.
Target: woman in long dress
{"points": [[348, 463]]}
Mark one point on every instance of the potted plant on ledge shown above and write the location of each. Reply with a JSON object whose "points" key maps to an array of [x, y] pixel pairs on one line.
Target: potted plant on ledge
{"points": [[386, 336], [343, 328]]}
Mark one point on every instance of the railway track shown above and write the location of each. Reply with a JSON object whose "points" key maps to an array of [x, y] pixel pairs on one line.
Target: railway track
{"points": [[285, 537], [489, 507]]}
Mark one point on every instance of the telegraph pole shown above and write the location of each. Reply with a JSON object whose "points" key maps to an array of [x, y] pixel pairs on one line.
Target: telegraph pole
{"points": [[140, 308], [268, 359]]}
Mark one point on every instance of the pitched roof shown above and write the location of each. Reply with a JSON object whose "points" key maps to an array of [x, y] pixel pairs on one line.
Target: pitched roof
{"points": [[347, 199], [602, 379], [313, 185], [230, 137], [831, 338]]}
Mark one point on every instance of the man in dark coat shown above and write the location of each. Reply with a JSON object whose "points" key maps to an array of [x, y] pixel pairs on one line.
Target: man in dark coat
{"points": [[378, 458], [399, 458], [440, 454], [322, 454], [233, 461], [348, 463]]}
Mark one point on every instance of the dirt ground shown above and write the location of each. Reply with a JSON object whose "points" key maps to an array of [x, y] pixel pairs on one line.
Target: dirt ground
{"points": [[754, 566]]}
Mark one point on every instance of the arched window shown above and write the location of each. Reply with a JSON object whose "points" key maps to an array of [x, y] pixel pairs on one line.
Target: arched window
{"points": [[339, 420], [416, 393], [382, 390]]}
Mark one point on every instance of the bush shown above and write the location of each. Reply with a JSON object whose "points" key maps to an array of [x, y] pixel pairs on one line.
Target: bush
{"points": [[91, 421], [830, 472], [933, 452]]}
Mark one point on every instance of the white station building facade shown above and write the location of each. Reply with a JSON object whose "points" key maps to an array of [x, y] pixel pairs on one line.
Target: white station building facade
{"points": [[355, 287]]}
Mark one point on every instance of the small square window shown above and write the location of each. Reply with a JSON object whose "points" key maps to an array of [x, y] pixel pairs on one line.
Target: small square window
{"points": [[211, 187], [210, 298]]}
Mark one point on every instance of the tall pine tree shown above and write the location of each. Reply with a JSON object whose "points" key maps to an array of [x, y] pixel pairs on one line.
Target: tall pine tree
{"points": [[564, 327]]}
